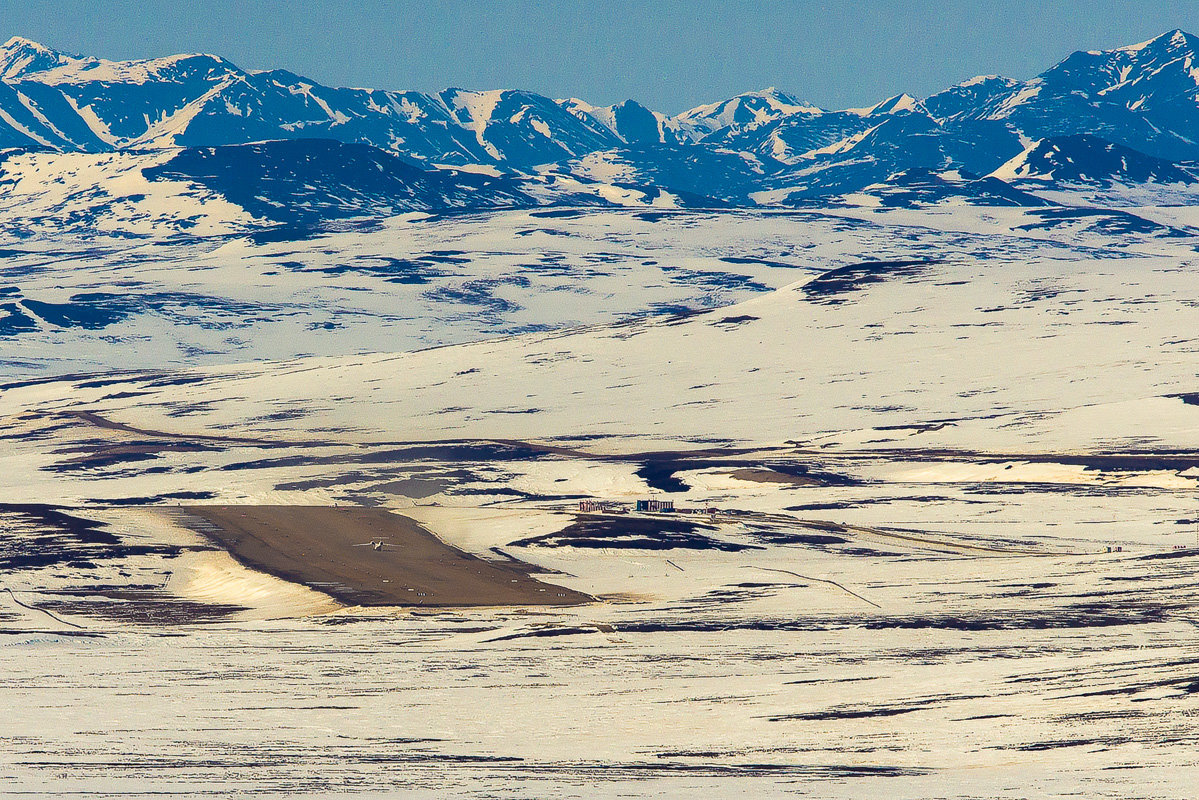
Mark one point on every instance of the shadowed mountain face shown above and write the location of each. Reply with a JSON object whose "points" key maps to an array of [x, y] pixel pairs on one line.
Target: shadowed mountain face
{"points": [[282, 147], [306, 180], [1089, 159]]}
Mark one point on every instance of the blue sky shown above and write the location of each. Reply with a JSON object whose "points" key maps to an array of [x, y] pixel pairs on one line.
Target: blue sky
{"points": [[668, 54]]}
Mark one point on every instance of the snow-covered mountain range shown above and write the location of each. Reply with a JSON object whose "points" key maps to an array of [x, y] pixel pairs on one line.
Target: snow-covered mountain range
{"points": [[283, 148]]}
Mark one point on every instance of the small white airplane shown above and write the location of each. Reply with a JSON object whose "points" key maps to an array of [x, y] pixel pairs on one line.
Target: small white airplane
{"points": [[374, 544]]}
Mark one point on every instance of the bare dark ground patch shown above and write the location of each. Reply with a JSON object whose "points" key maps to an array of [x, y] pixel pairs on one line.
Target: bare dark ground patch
{"points": [[634, 533], [333, 550]]}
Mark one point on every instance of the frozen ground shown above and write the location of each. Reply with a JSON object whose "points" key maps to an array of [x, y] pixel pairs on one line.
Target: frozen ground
{"points": [[954, 454], [71, 303]]}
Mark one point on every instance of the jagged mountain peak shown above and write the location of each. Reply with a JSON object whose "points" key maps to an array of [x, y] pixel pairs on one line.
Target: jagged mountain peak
{"points": [[1176, 39], [776, 94], [22, 44], [24, 59], [770, 97], [742, 113], [629, 103], [629, 120], [969, 96], [778, 99], [983, 80], [20, 57], [892, 105], [183, 67], [1170, 54]]}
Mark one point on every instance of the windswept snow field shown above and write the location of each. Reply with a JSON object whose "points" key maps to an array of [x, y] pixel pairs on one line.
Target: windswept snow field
{"points": [[943, 465]]}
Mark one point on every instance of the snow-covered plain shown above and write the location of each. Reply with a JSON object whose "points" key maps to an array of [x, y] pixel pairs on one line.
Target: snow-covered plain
{"points": [[955, 453], [416, 281]]}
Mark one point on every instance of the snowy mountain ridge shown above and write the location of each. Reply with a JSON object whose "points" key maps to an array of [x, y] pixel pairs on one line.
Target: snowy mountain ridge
{"points": [[761, 147], [1158, 78]]}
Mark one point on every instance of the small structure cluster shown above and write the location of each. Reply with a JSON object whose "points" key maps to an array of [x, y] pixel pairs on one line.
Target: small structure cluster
{"points": [[600, 507], [651, 506]]}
